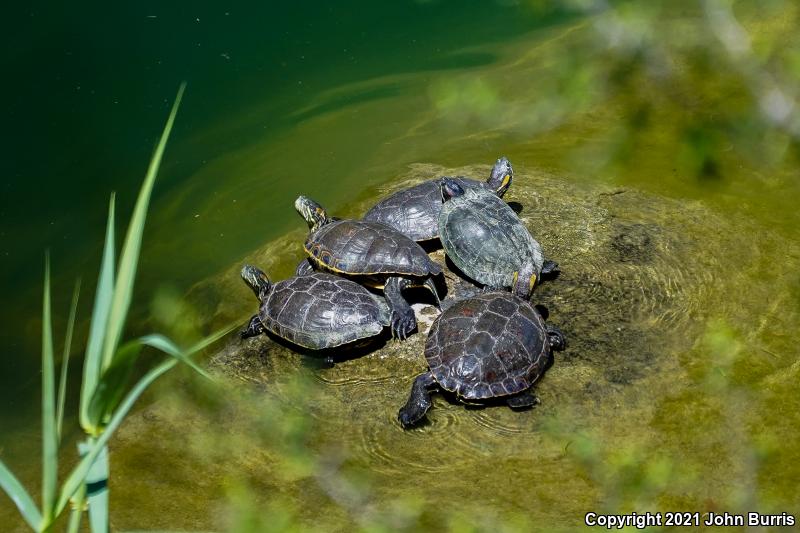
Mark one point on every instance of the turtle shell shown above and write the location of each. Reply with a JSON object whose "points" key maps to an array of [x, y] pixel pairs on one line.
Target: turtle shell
{"points": [[485, 239], [491, 345], [321, 310], [414, 212], [359, 247]]}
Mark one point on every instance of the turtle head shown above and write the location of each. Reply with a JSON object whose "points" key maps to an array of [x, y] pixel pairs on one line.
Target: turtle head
{"points": [[450, 189], [311, 211], [558, 342], [500, 179], [255, 278], [525, 280]]}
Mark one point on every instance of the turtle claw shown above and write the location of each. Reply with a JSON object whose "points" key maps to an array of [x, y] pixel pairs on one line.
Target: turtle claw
{"points": [[253, 329], [403, 323]]}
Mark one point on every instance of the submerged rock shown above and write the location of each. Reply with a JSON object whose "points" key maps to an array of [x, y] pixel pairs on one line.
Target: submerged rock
{"points": [[632, 273]]}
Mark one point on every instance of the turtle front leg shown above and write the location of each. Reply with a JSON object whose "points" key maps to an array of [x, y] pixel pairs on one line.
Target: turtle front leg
{"points": [[523, 400], [253, 329], [550, 269], [418, 402], [403, 320], [304, 268]]}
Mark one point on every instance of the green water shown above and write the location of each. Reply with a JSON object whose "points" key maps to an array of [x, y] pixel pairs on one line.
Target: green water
{"points": [[680, 289]]}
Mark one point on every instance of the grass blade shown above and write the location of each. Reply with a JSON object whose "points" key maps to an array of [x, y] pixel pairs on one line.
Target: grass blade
{"points": [[211, 339], [77, 510], [129, 258], [102, 304], [168, 347], [49, 438], [20, 496], [111, 387], [62, 384], [78, 474]]}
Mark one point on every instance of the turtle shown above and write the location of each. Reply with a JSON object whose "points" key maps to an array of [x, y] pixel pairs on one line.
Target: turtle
{"points": [[488, 242], [316, 311], [372, 253], [494, 345], [415, 211]]}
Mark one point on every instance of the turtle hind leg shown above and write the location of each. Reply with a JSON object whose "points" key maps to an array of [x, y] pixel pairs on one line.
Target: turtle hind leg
{"points": [[253, 329], [418, 402], [523, 400], [402, 318]]}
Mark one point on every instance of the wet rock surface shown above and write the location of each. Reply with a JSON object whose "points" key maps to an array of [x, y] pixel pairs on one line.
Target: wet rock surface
{"points": [[630, 272]]}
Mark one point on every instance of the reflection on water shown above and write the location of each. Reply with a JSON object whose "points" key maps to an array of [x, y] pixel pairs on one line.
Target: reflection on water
{"points": [[678, 296]]}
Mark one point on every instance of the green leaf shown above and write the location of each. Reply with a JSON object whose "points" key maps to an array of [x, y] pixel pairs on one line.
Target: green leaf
{"points": [[49, 438], [20, 497], [77, 510], [168, 347], [111, 387], [97, 330], [211, 339], [129, 259], [62, 384], [78, 475]]}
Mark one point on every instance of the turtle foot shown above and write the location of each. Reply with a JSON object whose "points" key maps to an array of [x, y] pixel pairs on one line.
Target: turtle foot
{"points": [[418, 402], [253, 329], [403, 323], [523, 400]]}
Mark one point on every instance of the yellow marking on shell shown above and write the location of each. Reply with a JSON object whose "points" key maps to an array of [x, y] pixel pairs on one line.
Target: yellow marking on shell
{"points": [[332, 268]]}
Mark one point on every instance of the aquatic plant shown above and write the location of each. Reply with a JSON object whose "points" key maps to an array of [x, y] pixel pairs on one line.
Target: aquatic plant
{"points": [[108, 365]]}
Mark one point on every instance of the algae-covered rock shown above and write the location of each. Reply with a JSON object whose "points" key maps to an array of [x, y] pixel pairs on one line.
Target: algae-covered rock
{"points": [[631, 274]]}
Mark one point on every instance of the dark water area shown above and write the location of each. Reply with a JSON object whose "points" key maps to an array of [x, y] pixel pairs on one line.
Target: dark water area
{"points": [[87, 91]]}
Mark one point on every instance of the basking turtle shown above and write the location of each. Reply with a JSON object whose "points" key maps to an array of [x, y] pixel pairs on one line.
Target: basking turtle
{"points": [[370, 252], [493, 345], [487, 241], [415, 211], [315, 311]]}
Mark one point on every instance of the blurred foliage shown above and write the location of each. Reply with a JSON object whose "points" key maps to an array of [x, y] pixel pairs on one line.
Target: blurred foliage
{"points": [[717, 79]]}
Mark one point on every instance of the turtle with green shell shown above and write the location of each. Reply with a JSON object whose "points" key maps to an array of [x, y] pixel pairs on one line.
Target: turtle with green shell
{"points": [[317, 311], [492, 346], [488, 242], [415, 211], [371, 253]]}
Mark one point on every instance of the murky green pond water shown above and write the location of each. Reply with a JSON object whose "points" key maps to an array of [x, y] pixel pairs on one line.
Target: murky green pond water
{"points": [[680, 290]]}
